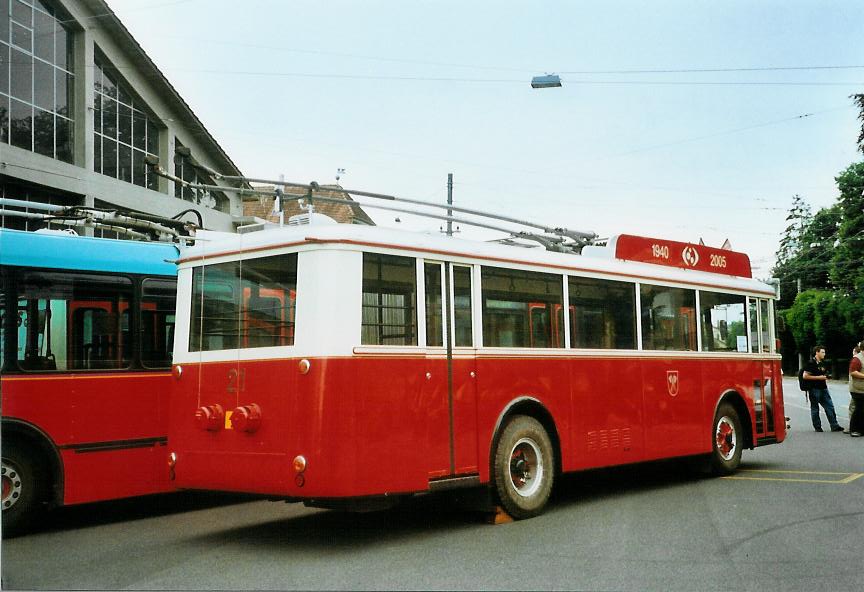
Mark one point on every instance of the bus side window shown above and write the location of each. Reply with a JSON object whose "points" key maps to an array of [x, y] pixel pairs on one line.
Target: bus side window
{"points": [[517, 307], [36, 345], [389, 313], [602, 313], [157, 322], [73, 320], [668, 318]]}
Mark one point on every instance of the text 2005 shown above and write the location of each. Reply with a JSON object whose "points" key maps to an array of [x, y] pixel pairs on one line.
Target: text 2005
{"points": [[718, 261]]}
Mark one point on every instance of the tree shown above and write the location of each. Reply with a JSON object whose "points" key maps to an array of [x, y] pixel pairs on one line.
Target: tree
{"points": [[791, 246], [806, 251], [847, 264], [859, 100], [813, 265]]}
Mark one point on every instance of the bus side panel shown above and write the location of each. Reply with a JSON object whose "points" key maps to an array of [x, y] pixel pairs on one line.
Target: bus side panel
{"points": [[390, 436], [109, 427], [501, 381], [102, 475], [675, 409], [720, 377], [608, 424]]}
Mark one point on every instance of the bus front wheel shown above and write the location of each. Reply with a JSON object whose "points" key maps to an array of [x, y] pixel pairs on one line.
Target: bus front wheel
{"points": [[727, 439], [20, 477], [524, 467]]}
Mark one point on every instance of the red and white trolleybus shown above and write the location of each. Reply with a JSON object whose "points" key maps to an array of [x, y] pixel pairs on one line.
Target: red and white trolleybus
{"points": [[328, 363]]}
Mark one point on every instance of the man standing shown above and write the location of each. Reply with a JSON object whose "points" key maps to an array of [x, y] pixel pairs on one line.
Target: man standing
{"points": [[816, 380], [856, 390]]}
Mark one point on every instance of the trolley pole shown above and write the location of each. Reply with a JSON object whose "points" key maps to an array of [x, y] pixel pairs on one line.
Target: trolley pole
{"points": [[449, 203]]}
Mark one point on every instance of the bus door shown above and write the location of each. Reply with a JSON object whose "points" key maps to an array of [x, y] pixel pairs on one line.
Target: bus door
{"points": [[764, 379], [448, 407]]}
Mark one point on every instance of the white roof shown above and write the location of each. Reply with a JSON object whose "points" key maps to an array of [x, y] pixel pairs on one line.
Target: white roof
{"points": [[595, 260]]}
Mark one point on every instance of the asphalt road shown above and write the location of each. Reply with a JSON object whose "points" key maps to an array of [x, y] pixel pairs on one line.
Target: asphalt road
{"points": [[792, 520]]}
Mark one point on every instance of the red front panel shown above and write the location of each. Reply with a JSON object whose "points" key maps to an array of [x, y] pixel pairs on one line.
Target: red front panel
{"points": [[374, 425], [109, 428]]}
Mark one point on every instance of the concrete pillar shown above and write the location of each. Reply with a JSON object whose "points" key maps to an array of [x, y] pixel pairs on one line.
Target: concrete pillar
{"points": [[84, 113]]}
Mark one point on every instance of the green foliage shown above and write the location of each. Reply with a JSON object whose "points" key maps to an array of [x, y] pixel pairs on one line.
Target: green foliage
{"points": [[735, 329], [859, 101], [815, 318], [847, 264], [820, 265]]}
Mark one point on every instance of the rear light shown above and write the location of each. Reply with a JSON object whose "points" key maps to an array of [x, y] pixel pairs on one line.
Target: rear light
{"points": [[172, 462], [246, 418], [210, 418]]}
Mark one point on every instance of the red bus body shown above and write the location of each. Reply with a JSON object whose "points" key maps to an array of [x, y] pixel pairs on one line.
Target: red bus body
{"points": [[108, 430], [372, 420], [373, 426]]}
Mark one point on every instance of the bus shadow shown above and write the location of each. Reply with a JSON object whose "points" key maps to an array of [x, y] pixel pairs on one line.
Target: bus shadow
{"points": [[595, 484], [335, 530], [454, 512], [130, 509]]}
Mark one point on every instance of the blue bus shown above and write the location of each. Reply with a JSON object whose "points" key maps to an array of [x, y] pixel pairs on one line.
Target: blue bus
{"points": [[86, 337]]}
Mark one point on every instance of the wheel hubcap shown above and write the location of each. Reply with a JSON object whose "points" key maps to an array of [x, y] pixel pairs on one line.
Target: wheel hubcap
{"points": [[11, 485], [526, 467], [726, 438]]}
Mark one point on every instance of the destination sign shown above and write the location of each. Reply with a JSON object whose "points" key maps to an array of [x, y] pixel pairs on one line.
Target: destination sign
{"points": [[682, 255]]}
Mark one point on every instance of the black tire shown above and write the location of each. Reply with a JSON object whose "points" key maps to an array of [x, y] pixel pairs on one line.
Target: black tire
{"points": [[23, 483], [727, 440], [524, 467]]}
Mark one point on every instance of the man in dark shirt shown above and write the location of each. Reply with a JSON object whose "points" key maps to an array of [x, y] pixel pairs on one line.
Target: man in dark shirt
{"points": [[816, 381]]}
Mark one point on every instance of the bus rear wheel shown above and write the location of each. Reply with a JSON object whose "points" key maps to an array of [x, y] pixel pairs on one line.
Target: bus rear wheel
{"points": [[524, 467], [20, 477], [727, 439]]}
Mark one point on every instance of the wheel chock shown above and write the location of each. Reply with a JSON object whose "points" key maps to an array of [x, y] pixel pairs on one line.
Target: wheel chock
{"points": [[499, 517]]}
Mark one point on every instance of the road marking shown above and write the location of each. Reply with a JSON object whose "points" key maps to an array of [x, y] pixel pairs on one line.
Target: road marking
{"points": [[847, 477]]}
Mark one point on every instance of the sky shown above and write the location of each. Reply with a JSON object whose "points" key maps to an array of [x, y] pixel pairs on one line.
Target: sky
{"points": [[682, 120]]}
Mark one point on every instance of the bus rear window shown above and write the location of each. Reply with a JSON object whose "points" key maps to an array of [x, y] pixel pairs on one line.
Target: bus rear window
{"points": [[246, 304]]}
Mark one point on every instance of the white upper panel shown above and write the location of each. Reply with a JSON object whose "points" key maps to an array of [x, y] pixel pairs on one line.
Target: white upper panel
{"points": [[436, 246]]}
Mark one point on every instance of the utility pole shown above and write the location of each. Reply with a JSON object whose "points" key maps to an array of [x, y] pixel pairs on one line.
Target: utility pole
{"points": [[449, 203], [800, 353]]}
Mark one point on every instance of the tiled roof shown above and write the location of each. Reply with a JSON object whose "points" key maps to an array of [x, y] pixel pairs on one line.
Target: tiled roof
{"points": [[347, 213]]}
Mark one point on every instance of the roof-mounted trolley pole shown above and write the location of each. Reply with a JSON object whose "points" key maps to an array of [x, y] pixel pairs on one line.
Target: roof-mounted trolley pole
{"points": [[554, 238], [133, 225]]}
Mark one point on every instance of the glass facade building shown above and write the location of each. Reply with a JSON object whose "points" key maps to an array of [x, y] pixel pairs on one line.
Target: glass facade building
{"points": [[123, 132], [82, 108], [36, 79]]}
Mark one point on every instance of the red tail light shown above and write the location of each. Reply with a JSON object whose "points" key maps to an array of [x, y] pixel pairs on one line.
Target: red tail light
{"points": [[210, 418], [246, 418]]}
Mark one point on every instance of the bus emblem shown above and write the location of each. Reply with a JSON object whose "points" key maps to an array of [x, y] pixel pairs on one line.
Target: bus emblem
{"points": [[672, 382], [690, 256]]}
